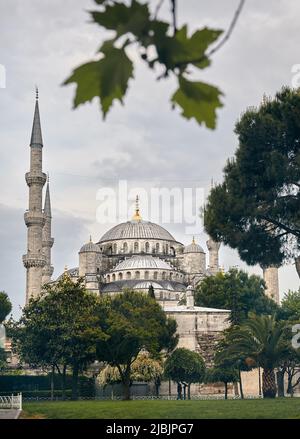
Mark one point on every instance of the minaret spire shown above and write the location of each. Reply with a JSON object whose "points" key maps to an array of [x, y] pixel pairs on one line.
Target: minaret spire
{"points": [[48, 241], [34, 260]]}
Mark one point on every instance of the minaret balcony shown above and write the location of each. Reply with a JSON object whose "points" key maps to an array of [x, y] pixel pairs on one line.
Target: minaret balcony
{"points": [[35, 178], [34, 260], [32, 218], [48, 242]]}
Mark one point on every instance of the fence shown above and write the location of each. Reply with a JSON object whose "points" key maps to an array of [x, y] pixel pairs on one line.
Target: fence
{"points": [[11, 401]]}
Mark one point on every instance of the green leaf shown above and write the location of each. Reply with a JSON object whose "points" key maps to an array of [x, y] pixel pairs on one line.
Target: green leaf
{"points": [[107, 78], [123, 19], [198, 100], [88, 82], [115, 70]]}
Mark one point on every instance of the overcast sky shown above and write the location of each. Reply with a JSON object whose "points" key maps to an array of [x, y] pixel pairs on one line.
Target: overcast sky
{"points": [[144, 142]]}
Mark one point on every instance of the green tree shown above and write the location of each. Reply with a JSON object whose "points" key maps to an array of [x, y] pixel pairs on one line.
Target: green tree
{"points": [[237, 291], [132, 322], [290, 306], [185, 367], [256, 208], [161, 45], [222, 375], [59, 329], [261, 339], [5, 306]]}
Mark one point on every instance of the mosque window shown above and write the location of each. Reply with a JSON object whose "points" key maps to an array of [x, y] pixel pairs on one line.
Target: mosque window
{"points": [[171, 275], [128, 275], [113, 277], [155, 275], [115, 248], [136, 247], [137, 274], [120, 276], [147, 247], [163, 275], [157, 247], [125, 247], [108, 278], [146, 274], [167, 249]]}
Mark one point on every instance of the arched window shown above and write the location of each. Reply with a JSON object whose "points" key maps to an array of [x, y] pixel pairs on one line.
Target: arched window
{"points": [[137, 274], [155, 275], [128, 275], [147, 247], [163, 275], [120, 276], [157, 247], [171, 275], [108, 278], [167, 249], [136, 247], [125, 247], [115, 248], [146, 274], [113, 277]]}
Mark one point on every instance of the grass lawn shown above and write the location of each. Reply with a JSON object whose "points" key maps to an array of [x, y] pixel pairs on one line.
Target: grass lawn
{"points": [[281, 408]]}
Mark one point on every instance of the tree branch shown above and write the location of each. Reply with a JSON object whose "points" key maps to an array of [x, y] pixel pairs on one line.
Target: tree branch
{"points": [[173, 9], [157, 9]]}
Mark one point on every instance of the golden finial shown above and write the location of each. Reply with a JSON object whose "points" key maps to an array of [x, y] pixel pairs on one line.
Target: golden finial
{"points": [[137, 216]]}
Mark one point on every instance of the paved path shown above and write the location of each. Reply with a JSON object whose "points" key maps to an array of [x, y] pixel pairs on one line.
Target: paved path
{"points": [[9, 414]]}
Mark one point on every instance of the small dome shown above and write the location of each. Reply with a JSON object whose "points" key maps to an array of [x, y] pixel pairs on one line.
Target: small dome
{"points": [[193, 248], [90, 247], [144, 262]]}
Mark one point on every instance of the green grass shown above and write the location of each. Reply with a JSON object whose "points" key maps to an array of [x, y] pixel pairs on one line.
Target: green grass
{"points": [[281, 408]]}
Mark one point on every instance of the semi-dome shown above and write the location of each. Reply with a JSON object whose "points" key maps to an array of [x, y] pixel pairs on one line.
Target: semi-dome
{"points": [[193, 248], [145, 285], [89, 247], [143, 262], [137, 229]]}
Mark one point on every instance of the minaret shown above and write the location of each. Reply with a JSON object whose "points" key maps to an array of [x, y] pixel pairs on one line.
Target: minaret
{"points": [[213, 248], [34, 260], [272, 283], [47, 239]]}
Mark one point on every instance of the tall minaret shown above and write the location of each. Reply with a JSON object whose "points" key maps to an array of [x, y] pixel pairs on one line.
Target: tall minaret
{"points": [[272, 283], [213, 248], [47, 239], [34, 260]]}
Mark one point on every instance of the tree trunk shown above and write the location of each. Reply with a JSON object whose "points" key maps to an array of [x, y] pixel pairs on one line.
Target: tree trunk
{"points": [[269, 383], [63, 384], [126, 389], [297, 263], [52, 382], [75, 382], [189, 390], [226, 390], [280, 383], [184, 391], [179, 391], [241, 384]]}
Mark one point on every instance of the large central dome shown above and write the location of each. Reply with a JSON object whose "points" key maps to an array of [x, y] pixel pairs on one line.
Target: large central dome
{"points": [[137, 229]]}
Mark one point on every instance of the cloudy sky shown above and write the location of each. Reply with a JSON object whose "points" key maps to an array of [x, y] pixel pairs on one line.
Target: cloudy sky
{"points": [[144, 142]]}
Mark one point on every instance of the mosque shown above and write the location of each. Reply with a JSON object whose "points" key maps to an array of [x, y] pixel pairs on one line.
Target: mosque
{"points": [[134, 255]]}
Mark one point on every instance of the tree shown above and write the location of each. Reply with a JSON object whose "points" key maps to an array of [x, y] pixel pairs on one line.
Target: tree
{"points": [[290, 306], [59, 329], [144, 369], [160, 44], [132, 322], [185, 367], [237, 291], [222, 375], [5, 306], [256, 208], [262, 340]]}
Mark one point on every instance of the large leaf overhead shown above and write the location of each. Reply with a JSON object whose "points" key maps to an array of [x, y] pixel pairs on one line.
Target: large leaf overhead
{"points": [[198, 100], [107, 78]]}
